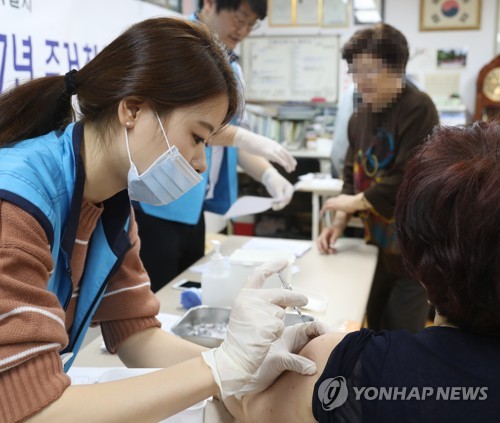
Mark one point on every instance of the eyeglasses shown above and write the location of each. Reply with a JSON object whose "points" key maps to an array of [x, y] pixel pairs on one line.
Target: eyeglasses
{"points": [[366, 73], [243, 22]]}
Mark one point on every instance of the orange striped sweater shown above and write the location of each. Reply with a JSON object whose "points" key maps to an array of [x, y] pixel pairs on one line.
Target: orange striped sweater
{"points": [[34, 326]]}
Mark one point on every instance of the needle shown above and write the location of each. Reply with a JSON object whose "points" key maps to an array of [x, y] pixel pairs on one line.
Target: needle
{"points": [[288, 285]]}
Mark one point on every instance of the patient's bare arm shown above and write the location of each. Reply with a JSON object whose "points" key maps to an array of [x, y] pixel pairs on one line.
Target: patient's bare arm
{"points": [[289, 398]]}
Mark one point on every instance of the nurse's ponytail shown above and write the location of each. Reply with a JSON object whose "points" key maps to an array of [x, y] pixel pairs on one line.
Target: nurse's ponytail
{"points": [[169, 62], [34, 108]]}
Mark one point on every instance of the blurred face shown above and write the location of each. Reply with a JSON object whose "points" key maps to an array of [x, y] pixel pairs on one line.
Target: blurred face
{"points": [[377, 84], [232, 26], [189, 129]]}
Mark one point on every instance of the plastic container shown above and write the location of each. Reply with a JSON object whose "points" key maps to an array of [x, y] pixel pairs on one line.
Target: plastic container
{"points": [[193, 414], [224, 277], [217, 289], [244, 225]]}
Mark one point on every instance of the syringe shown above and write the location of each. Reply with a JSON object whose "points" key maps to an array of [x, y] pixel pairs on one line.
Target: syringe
{"points": [[288, 285]]}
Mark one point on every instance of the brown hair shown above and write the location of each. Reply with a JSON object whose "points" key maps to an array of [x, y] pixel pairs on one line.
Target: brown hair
{"points": [[169, 62], [381, 41], [448, 223]]}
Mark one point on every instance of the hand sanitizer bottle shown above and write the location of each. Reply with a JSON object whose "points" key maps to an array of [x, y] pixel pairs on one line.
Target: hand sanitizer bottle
{"points": [[216, 281]]}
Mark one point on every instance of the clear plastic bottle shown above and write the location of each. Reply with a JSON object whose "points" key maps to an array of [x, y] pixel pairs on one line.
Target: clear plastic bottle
{"points": [[216, 287]]}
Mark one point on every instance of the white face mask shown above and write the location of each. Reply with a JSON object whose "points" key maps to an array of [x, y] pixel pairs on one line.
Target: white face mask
{"points": [[169, 177]]}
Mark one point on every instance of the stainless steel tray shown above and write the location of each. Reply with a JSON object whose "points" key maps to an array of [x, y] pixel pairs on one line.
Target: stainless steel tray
{"points": [[206, 325]]}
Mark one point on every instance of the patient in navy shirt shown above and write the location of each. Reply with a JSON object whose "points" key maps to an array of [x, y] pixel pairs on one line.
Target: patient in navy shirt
{"points": [[448, 228]]}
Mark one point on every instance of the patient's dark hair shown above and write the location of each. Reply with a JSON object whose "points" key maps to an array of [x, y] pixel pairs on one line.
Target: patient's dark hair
{"points": [[448, 223]]}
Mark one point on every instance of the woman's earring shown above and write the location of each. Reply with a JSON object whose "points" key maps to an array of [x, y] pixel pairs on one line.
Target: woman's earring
{"points": [[127, 124]]}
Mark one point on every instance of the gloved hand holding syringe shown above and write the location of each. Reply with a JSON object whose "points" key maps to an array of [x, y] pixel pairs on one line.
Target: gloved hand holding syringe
{"points": [[258, 347], [287, 285]]}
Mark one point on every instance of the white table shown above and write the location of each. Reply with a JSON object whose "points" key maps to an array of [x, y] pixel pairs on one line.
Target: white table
{"points": [[319, 188], [323, 156], [345, 278]]}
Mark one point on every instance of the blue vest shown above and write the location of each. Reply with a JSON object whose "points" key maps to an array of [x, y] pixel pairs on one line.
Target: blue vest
{"points": [[45, 177], [226, 189], [187, 209]]}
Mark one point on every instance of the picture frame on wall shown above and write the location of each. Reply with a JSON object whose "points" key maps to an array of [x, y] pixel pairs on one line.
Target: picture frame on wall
{"points": [[450, 15], [306, 12], [335, 13], [294, 12], [318, 13], [280, 13], [175, 5]]}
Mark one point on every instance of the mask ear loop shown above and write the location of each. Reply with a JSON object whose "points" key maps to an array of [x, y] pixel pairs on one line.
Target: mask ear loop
{"points": [[128, 149], [162, 130]]}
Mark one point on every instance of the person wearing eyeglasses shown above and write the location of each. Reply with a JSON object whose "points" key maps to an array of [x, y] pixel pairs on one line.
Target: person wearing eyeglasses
{"points": [[232, 20], [173, 236], [391, 118]]}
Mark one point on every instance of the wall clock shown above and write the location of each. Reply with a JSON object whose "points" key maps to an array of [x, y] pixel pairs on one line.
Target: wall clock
{"points": [[488, 91]]}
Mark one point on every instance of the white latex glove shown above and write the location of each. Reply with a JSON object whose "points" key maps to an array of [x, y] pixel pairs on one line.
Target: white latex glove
{"points": [[264, 147], [283, 356], [278, 187], [256, 321]]}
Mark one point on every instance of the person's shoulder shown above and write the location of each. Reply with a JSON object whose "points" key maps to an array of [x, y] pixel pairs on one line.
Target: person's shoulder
{"points": [[433, 337], [42, 154], [379, 343], [43, 142], [193, 17], [357, 342], [414, 97], [37, 170], [450, 335], [416, 105], [383, 342]]}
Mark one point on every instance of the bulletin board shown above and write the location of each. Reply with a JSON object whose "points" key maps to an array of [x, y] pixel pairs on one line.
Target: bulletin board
{"points": [[285, 68]]}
